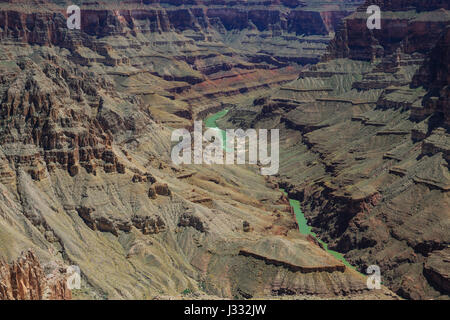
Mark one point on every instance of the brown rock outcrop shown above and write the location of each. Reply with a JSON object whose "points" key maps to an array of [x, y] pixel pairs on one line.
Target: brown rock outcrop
{"points": [[437, 269], [161, 189], [434, 75], [25, 279], [355, 41]]}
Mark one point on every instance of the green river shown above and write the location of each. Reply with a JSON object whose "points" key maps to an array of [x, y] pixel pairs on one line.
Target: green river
{"points": [[304, 228], [210, 122]]}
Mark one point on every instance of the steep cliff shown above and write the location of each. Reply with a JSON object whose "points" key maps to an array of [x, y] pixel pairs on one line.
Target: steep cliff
{"points": [[25, 279]]}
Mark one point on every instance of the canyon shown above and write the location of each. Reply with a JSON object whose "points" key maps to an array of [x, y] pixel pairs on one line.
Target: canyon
{"points": [[86, 177], [366, 144]]}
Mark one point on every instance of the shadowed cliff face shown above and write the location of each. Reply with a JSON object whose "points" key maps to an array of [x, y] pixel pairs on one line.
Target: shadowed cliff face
{"points": [[366, 143], [415, 32], [259, 30], [434, 75], [85, 170], [106, 17]]}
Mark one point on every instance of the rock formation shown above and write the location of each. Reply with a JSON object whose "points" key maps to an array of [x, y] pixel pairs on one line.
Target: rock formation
{"points": [[25, 279]]}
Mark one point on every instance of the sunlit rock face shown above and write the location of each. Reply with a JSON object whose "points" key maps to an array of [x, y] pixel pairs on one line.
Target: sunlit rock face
{"points": [[366, 143], [27, 279]]}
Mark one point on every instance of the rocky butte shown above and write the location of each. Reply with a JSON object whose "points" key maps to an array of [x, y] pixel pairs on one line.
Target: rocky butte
{"points": [[86, 177]]}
